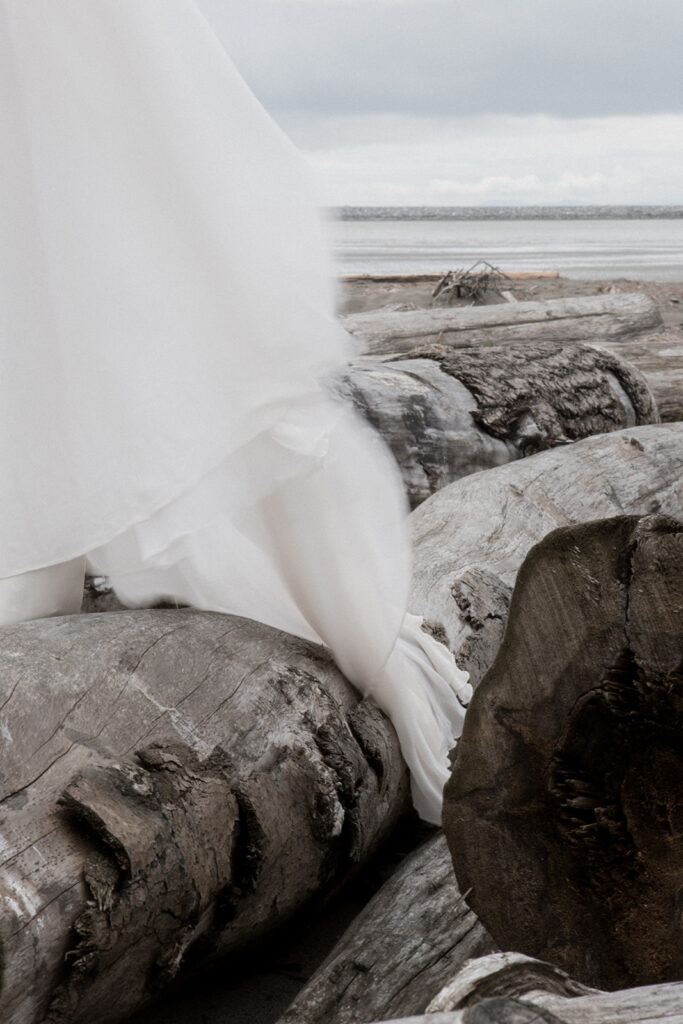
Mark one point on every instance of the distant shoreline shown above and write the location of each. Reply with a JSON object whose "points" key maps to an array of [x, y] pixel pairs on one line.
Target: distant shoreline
{"points": [[505, 212]]}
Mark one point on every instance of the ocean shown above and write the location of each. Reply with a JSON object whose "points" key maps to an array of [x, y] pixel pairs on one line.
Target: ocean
{"points": [[649, 248]]}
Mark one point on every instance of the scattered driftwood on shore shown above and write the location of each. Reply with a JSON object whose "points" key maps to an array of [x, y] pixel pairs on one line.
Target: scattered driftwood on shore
{"points": [[480, 284], [471, 538], [587, 318], [358, 293], [404, 946], [446, 413], [175, 784], [508, 988], [567, 779]]}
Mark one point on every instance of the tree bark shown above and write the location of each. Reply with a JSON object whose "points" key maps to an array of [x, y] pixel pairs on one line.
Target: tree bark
{"points": [[446, 413], [659, 358], [567, 779], [470, 539], [174, 785], [411, 938], [586, 318]]}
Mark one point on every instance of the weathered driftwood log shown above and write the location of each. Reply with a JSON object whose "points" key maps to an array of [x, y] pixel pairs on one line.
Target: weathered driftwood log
{"points": [[470, 538], [507, 975], [568, 779], [411, 938], [508, 988], [592, 317], [446, 413], [174, 785], [659, 357]]}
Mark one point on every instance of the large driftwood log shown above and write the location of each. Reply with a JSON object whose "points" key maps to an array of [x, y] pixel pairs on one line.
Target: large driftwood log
{"points": [[593, 317], [471, 538], [446, 413], [414, 934], [659, 357], [174, 785], [568, 777]]}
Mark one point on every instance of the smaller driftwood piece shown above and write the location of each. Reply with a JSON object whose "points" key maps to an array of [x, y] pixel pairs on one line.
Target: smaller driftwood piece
{"points": [[414, 934], [567, 778]]}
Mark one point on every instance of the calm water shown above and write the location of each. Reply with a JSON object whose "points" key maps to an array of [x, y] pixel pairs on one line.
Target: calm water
{"points": [[649, 250]]}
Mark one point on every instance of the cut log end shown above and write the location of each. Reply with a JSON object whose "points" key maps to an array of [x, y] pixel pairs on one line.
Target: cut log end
{"points": [[567, 779]]}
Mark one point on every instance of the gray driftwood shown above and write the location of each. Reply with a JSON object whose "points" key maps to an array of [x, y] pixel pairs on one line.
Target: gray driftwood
{"points": [[446, 412], [508, 988], [594, 317], [567, 782], [409, 940], [508, 975], [174, 785], [471, 537]]}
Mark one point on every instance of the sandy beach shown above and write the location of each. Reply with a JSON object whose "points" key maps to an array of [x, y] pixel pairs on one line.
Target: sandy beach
{"points": [[359, 294]]}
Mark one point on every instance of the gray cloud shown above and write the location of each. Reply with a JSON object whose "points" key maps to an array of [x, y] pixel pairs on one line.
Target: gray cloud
{"points": [[568, 58]]}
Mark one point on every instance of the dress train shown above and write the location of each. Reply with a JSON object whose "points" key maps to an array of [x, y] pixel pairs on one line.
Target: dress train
{"points": [[165, 322]]}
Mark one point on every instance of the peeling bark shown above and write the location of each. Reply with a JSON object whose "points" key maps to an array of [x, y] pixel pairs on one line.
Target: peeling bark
{"points": [[659, 358], [446, 413], [409, 940], [567, 778], [587, 318], [175, 784], [558, 393], [507, 975], [470, 539]]}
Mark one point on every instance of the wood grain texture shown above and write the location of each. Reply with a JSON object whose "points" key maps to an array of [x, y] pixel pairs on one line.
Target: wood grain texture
{"points": [[174, 785], [446, 413], [471, 538], [412, 936], [585, 318], [508, 988], [567, 778], [659, 357]]}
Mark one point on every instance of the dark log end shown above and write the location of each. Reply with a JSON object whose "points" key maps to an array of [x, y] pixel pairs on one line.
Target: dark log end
{"points": [[564, 812]]}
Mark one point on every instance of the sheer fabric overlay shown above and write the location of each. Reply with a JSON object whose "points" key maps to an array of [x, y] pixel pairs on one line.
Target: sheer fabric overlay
{"points": [[165, 326]]}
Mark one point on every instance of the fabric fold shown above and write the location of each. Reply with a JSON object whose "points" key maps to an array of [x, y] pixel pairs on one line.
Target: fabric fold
{"points": [[166, 324]]}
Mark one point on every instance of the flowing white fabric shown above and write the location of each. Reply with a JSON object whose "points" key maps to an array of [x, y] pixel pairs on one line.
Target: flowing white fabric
{"points": [[165, 323]]}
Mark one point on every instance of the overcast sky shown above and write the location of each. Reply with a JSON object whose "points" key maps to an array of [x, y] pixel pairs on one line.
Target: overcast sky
{"points": [[450, 102]]}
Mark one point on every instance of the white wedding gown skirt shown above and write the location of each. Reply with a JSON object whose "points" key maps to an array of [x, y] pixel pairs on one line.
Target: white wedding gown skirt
{"points": [[165, 323]]}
